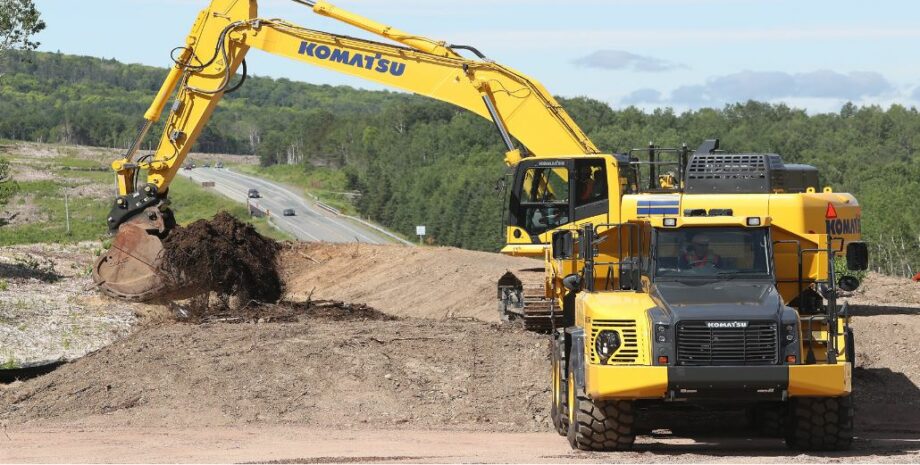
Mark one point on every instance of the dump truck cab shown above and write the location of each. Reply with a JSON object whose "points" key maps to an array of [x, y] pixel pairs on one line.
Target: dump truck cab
{"points": [[717, 297]]}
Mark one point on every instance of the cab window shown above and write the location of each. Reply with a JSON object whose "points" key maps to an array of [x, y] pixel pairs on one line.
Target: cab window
{"points": [[546, 185], [590, 182], [544, 198]]}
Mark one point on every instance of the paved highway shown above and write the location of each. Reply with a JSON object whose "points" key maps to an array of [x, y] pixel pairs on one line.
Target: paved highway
{"points": [[311, 222]]}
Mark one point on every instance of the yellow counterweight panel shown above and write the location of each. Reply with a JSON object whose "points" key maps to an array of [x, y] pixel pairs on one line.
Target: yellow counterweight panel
{"points": [[524, 248], [820, 380]]}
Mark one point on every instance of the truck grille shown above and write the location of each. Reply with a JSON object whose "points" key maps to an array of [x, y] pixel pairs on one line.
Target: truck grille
{"points": [[697, 344]]}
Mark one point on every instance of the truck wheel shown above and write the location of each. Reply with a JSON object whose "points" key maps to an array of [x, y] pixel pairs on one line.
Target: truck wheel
{"points": [[821, 423], [770, 419], [599, 425], [559, 412]]}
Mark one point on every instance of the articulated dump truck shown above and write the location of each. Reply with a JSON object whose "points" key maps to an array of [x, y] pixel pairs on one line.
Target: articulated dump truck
{"points": [[711, 286]]}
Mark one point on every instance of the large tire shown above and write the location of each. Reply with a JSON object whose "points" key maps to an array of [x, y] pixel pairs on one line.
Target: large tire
{"points": [[599, 425], [770, 420], [559, 411], [821, 423]]}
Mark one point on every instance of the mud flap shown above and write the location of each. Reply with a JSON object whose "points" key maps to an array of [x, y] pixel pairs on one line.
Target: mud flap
{"points": [[576, 358]]}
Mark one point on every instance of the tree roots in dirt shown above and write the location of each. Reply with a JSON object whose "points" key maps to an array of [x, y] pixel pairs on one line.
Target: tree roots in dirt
{"points": [[222, 256]]}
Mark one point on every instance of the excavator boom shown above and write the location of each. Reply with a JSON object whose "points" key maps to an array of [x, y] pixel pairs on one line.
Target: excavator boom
{"points": [[521, 109]]}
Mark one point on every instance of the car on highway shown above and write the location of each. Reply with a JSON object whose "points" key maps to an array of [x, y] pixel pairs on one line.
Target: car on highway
{"points": [[219, 165], [289, 212], [206, 165], [254, 194]]}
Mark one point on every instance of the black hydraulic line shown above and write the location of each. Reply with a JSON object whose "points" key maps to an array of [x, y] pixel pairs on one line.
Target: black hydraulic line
{"points": [[466, 47], [308, 3], [238, 84]]}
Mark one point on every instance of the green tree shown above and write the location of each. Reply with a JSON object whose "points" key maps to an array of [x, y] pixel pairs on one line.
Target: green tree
{"points": [[19, 23], [7, 186]]}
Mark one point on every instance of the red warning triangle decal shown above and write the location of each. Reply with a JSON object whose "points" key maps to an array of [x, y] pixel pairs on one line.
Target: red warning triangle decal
{"points": [[831, 212]]}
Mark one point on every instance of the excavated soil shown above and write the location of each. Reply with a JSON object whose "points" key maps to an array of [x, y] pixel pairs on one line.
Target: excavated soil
{"points": [[225, 256]]}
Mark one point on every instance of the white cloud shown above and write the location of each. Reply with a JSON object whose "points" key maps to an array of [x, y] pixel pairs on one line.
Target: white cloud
{"points": [[771, 86], [620, 59]]}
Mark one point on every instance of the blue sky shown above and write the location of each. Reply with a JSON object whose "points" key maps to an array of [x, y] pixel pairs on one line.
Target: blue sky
{"points": [[650, 53]]}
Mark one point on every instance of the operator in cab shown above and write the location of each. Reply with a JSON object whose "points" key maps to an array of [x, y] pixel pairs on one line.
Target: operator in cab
{"points": [[698, 254]]}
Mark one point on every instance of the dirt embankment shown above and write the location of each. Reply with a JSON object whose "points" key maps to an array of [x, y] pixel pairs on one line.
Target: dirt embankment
{"points": [[334, 372], [403, 281]]}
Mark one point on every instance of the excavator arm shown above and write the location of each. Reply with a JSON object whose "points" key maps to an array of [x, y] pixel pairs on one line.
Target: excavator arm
{"points": [[520, 108]]}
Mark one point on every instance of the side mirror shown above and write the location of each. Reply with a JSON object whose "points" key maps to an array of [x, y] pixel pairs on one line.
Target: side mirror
{"points": [[563, 244], [857, 256], [572, 282], [848, 283]]}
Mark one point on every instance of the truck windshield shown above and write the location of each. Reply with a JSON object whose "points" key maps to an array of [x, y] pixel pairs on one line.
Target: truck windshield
{"points": [[712, 252]]}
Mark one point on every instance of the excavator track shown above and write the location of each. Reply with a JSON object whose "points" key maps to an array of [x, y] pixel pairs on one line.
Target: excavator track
{"points": [[522, 298]]}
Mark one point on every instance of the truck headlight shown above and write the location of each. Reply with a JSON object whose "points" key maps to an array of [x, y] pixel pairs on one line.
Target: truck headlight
{"points": [[606, 343], [790, 332]]}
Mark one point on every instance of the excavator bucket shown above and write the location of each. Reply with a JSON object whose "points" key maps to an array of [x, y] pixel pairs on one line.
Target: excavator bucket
{"points": [[130, 269]]}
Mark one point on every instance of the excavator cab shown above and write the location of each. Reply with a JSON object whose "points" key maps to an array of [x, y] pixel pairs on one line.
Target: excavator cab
{"points": [[550, 193]]}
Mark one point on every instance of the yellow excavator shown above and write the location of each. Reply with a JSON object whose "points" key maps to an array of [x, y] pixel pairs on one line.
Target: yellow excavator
{"points": [[530, 122]]}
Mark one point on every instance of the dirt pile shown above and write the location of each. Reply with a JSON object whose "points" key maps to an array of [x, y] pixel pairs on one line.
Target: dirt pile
{"points": [[425, 282], [323, 371], [224, 256]]}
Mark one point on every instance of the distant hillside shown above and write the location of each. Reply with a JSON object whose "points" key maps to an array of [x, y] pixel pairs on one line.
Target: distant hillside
{"points": [[416, 161]]}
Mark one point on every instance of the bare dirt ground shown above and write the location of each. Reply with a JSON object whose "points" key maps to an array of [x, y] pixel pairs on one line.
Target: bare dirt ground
{"points": [[436, 384]]}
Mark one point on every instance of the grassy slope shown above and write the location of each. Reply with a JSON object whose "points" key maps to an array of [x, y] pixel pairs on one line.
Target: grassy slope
{"points": [[190, 202]]}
